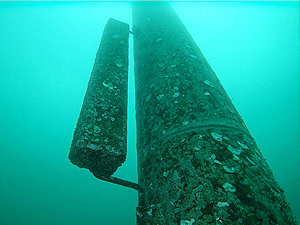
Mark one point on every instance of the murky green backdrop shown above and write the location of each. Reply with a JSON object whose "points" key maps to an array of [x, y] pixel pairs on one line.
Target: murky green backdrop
{"points": [[47, 52]]}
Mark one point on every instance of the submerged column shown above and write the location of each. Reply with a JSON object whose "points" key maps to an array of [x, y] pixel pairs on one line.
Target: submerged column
{"points": [[100, 138], [197, 161]]}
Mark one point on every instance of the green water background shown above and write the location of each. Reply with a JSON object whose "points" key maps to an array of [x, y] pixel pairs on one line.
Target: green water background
{"points": [[47, 50]]}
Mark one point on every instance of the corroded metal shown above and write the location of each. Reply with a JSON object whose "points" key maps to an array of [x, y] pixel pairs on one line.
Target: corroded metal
{"points": [[197, 161], [100, 138]]}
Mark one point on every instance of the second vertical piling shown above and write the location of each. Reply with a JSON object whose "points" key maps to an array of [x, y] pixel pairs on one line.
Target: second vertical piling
{"points": [[100, 138]]}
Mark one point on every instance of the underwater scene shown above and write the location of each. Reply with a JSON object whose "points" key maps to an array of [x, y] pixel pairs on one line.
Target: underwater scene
{"points": [[73, 114]]}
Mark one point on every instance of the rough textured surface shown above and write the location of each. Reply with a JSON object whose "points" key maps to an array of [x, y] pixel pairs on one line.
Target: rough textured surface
{"points": [[197, 162], [99, 141]]}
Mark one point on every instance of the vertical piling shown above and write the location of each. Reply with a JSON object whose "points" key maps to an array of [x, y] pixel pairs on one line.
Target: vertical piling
{"points": [[100, 138], [197, 161]]}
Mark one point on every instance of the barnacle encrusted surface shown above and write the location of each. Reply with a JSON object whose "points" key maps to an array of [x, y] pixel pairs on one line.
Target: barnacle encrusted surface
{"points": [[198, 163], [99, 141]]}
